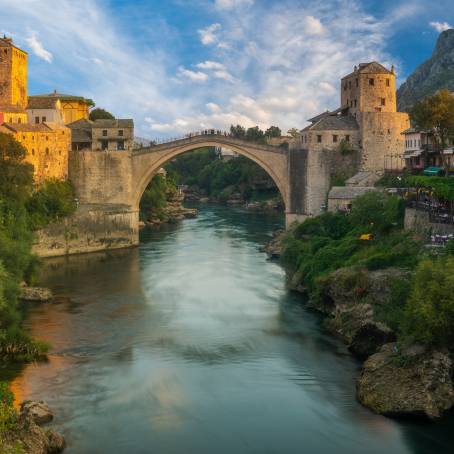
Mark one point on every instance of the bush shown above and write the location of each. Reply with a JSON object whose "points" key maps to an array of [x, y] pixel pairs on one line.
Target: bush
{"points": [[52, 201], [8, 416], [430, 308]]}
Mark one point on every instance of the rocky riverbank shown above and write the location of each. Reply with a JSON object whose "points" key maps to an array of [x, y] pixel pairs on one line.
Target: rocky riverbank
{"points": [[399, 381], [173, 212], [233, 198], [27, 431]]}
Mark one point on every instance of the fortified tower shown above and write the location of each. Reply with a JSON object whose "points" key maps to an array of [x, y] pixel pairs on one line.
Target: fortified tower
{"points": [[13, 75], [369, 93]]}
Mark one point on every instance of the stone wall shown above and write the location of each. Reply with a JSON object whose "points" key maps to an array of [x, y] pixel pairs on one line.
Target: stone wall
{"points": [[418, 221], [90, 229], [383, 144]]}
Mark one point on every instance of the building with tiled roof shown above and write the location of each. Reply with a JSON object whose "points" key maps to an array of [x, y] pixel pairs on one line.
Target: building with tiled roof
{"points": [[102, 135]]}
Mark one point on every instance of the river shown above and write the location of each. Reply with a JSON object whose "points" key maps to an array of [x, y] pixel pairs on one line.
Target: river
{"points": [[192, 344]]}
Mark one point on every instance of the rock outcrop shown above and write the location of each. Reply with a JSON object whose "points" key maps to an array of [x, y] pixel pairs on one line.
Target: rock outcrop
{"points": [[435, 74], [414, 382], [274, 247], [35, 294], [30, 434]]}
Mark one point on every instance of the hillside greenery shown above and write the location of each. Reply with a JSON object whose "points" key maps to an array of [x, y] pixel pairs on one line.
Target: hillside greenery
{"points": [[421, 308], [24, 207]]}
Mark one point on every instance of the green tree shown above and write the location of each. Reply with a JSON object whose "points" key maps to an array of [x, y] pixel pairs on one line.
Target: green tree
{"points": [[100, 114], [273, 131], [293, 132], [436, 114], [429, 312], [255, 134], [238, 131]]}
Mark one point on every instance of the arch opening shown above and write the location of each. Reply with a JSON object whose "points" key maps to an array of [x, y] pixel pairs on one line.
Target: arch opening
{"points": [[150, 167]]}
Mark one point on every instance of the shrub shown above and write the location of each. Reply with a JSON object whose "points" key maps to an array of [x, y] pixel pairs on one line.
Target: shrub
{"points": [[52, 201], [430, 309], [8, 416]]}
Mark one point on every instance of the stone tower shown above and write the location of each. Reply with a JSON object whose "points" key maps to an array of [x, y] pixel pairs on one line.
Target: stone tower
{"points": [[369, 93], [13, 75]]}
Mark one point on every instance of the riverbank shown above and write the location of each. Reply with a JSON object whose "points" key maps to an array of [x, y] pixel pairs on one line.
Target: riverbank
{"points": [[370, 293]]}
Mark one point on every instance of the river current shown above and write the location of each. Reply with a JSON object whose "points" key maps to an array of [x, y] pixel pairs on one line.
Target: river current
{"points": [[192, 344]]}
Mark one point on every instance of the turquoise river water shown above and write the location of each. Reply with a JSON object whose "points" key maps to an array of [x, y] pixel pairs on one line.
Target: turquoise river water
{"points": [[192, 344]]}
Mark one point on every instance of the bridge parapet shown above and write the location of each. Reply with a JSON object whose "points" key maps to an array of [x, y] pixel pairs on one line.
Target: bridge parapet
{"points": [[221, 138]]}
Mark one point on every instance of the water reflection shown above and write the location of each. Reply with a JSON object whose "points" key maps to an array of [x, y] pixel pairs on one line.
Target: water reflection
{"points": [[193, 344]]}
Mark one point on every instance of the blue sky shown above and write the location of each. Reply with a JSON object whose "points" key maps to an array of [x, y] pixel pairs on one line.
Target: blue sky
{"points": [[176, 66]]}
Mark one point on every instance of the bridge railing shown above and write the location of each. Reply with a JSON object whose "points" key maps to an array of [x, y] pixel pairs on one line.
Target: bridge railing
{"points": [[204, 133]]}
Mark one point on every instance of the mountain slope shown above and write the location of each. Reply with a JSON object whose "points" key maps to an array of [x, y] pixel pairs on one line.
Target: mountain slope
{"points": [[433, 75]]}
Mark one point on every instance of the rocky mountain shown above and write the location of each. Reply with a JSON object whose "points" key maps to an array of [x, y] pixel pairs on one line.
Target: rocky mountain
{"points": [[435, 74]]}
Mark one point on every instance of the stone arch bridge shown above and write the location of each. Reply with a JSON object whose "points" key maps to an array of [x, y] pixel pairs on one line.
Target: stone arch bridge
{"points": [[109, 186]]}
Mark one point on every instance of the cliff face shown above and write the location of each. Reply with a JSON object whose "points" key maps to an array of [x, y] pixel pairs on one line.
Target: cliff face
{"points": [[435, 74]]}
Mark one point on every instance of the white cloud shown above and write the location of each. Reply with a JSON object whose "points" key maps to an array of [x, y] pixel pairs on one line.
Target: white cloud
{"points": [[210, 65], [313, 26], [38, 48], [440, 26], [209, 35], [224, 75], [232, 4], [195, 76]]}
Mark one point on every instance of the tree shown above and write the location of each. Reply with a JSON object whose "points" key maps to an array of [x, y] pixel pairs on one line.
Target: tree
{"points": [[436, 114], [255, 134], [273, 131], [293, 132], [16, 176], [100, 114], [429, 314], [238, 131]]}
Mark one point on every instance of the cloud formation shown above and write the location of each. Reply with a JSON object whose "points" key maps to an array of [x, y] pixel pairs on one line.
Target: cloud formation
{"points": [[38, 48], [209, 35], [440, 26]]}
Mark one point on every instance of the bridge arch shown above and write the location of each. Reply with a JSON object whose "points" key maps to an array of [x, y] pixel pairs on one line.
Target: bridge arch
{"points": [[148, 161]]}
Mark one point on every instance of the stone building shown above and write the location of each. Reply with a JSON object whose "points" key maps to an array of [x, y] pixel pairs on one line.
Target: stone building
{"points": [[46, 140], [47, 146], [73, 108], [13, 82], [44, 110], [367, 120], [102, 135]]}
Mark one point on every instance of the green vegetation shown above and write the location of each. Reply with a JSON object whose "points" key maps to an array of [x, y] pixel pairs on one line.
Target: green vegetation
{"points": [[156, 196], [436, 114], [420, 307], [442, 187], [100, 114], [23, 208], [429, 312]]}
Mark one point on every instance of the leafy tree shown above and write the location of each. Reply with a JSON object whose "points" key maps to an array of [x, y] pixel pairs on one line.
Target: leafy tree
{"points": [[52, 201], [293, 132], [255, 134], [238, 131], [100, 114], [377, 212], [436, 114], [430, 307], [273, 131]]}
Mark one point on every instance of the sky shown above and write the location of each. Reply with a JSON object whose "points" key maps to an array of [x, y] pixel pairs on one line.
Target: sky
{"points": [[177, 66]]}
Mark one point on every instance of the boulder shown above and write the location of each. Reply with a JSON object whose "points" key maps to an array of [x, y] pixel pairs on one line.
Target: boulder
{"points": [[38, 294], [55, 442], [38, 411], [414, 382], [274, 247]]}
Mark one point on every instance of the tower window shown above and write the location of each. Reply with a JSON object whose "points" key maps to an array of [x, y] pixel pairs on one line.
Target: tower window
{"points": [[19, 120], [347, 138], [349, 84], [33, 151], [357, 82], [319, 139], [383, 101], [43, 120], [387, 83], [372, 82], [356, 102], [47, 151], [104, 132], [334, 138], [120, 132], [36, 120]]}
